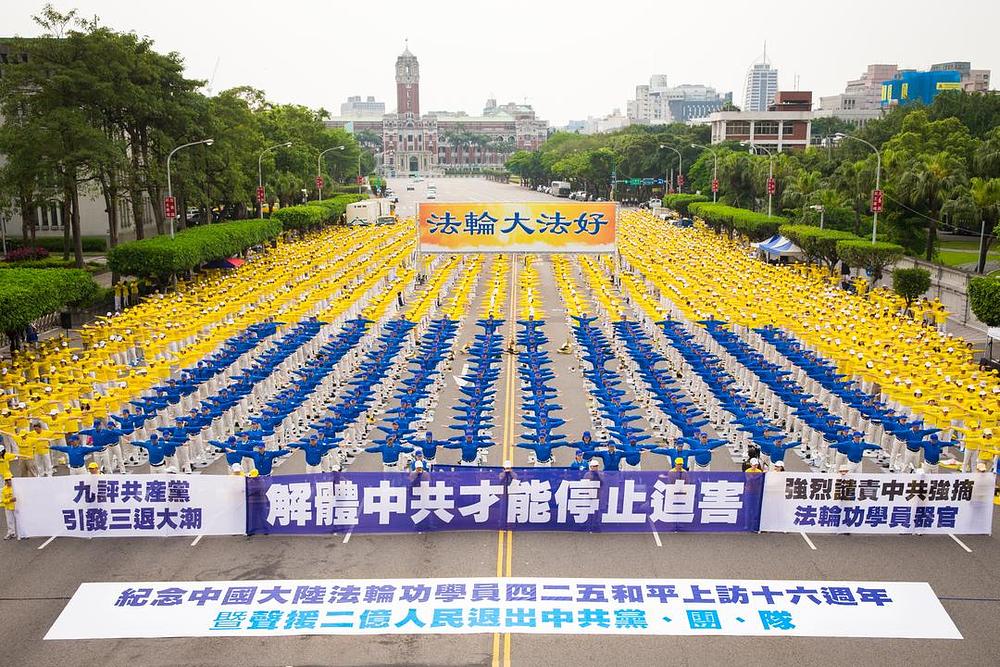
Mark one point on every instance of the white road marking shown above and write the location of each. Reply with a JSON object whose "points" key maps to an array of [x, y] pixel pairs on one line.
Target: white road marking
{"points": [[960, 542], [808, 541], [347, 537], [46, 543], [656, 536], [197, 540]]}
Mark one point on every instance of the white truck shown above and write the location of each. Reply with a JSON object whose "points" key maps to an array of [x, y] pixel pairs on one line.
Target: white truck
{"points": [[371, 212]]}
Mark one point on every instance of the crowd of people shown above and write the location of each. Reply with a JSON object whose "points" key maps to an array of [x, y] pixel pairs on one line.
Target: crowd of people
{"points": [[338, 345]]}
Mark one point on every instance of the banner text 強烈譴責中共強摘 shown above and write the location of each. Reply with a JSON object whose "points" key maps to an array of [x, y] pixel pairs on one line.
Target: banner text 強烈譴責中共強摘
{"points": [[130, 505], [471, 605], [878, 503], [483, 499], [535, 227]]}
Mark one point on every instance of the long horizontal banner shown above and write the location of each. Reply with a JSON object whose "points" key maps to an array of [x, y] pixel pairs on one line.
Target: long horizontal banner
{"points": [[878, 503], [534, 499], [536, 227], [130, 505], [589, 606]]}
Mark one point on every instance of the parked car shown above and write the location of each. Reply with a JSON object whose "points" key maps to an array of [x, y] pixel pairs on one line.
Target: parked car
{"points": [[409, 187], [655, 203]]}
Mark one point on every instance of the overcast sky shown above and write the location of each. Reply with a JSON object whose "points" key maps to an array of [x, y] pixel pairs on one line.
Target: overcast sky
{"points": [[569, 59]]}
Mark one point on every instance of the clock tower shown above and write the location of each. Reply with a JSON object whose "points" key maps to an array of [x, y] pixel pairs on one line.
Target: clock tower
{"points": [[407, 84]]}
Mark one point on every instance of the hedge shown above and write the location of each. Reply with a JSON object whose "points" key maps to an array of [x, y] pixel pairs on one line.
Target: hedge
{"points": [[757, 226], [984, 298], [679, 202], [27, 294], [55, 243], [817, 244], [316, 213], [873, 257], [161, 256]]}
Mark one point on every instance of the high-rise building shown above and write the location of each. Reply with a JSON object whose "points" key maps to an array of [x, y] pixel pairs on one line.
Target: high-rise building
{"points": [[972, 80], [912, 86], [861, 100], [761, 85], [658, 103], [357, 108]]}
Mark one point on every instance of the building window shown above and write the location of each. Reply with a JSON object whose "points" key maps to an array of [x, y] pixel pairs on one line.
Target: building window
{"points": [[765, 127], [738, 127], [788, 129]]}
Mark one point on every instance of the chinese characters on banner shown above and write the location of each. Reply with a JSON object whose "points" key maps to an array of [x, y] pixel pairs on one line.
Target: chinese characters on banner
{"points": [[509, 605], [130, 505], [517, 227], [878, 503], [538, 499]]}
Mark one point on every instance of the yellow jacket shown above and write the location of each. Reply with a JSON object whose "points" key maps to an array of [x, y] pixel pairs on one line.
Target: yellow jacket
{"points": [[5, 464], [7, 497]]}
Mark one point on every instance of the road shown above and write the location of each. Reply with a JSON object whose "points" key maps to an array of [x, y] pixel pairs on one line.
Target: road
{"points": [[41, 575]]}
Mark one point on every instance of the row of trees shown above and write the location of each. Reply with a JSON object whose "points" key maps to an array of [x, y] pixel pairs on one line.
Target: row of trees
{"points": [[941, 169], [89, 111]]}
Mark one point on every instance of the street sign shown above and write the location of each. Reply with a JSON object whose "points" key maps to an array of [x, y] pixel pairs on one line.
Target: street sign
{"points": [[260, 195], [635, 181], [772, 185], [680, 180], [169, 207], [715, 185], [649, 181], [319, 182], [876, 201], [360, 180]]}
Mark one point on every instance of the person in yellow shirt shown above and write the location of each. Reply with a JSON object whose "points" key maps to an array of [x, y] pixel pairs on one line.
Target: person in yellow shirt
{"points": [[8, 501], [26, 452], [41, 440], [6, 458]]}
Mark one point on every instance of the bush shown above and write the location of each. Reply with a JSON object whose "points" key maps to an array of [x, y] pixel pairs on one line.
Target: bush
{"points": [[55, 243], [679, 202], [26, 253], [910, 283], [757, 226], [27, 294], [819, 245], [161, 256], [873, 257], [984, 298], [315, 213]]}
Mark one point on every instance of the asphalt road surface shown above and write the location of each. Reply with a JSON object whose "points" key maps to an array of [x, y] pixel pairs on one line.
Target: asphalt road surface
{"points": [[41, 575]]}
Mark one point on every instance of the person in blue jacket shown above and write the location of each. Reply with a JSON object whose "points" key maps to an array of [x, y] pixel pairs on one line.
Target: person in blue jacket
{"points": [[110, 451], [611, 457], [263, 459], [428, 446], [76, 454], [161, 450], [390, 451], [470, 447], [578, 462], [314, 451]]}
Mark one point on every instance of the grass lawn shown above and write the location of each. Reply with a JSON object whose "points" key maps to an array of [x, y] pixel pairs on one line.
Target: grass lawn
{"points": [[954, 253]]}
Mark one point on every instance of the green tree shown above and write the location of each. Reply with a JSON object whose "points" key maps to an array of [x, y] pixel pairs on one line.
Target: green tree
{"points": [[929, 182], [910, 283], [802, 191]]}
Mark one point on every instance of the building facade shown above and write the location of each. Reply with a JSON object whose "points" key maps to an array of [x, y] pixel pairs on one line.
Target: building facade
{"points": [[972, 80], [658, 103], [436, 141], [761, 86], [786, 124], [861, 100], [358, 108], [912, 86]]}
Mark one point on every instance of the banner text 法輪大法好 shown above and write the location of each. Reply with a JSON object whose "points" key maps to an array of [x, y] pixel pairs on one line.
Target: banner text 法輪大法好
{"points": [[536, 227]]}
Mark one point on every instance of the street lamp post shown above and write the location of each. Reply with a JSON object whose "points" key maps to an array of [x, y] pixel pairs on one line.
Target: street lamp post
{"points": [[878, 175], [319, 158], [170, 189], [715, 168], [770, 170], [359, 169], [680, 165], [260, 174]]}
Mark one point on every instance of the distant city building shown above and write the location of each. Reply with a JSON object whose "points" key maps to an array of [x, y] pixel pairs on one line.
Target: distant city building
{"points": [[357, 108], [913, 86], [861, 100], [415, 142], [609, 123], [785, 124], [658, 103], [973, 80], [576, 126], [761, 85]]}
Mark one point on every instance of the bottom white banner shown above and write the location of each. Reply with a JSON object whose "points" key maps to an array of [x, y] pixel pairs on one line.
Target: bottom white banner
{"points": [[510, 605]]}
